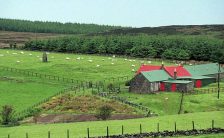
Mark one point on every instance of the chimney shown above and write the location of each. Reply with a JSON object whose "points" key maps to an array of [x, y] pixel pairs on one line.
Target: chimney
{"points": [[175, 74], [162, 66]]}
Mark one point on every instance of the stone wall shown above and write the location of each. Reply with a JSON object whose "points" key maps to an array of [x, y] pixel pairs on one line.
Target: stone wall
{"points": [[139, 84]]}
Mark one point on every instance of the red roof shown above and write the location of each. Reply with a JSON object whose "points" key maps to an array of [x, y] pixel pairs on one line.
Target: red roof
{"points": [[181, 71], [148, 68]]}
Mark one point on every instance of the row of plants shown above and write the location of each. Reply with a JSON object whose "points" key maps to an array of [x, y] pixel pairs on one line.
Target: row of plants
{"points": [[143, 46]]}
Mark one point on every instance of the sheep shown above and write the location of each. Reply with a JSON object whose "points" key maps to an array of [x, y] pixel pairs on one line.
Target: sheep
{"points": [[149, 62], [30, 54], [133, 65], [14, 53], [1, 55], [97, 65], [18, 61], [67, 58], [133, 70], [22, 52], [90, 60], [112, 63]]}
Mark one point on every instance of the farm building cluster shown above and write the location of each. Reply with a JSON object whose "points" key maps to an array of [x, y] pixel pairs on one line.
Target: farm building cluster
{"points": [[151, 78]]}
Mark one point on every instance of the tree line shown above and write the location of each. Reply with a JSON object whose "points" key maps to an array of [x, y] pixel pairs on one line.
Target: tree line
{"points": [[143, 46], [52, 27]]}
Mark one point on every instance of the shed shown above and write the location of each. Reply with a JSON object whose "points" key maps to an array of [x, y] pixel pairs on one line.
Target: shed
{"points": [[149, 81], [199, 81], [178, 85]]}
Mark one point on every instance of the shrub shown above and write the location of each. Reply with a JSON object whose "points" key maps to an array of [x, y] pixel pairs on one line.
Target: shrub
{"points": [[104, 112], [7, 115]]}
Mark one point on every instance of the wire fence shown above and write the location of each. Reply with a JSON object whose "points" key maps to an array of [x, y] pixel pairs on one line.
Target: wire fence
{"points": [[204, 91]]}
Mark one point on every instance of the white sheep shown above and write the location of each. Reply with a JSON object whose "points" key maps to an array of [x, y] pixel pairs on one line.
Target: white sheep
{"points": [[67, 58], [97, 65]]}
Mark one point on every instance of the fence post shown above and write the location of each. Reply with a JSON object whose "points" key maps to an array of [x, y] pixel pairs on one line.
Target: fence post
{"points": [[122, 130], [175, 127], [67, 133], [213, 124], [140, 128], [8, 136], [107, 132], [87, 132], [49, 134], [193, 125], [26, 135], [158, 127]]}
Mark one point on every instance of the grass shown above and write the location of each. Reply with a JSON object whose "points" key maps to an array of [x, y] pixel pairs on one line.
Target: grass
{"points": [[79, 129], [22, 92], [165, 103], [81, 69], [203, 103]]}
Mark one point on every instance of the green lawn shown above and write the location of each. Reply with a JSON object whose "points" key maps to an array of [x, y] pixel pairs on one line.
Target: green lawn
{"points": [[79, 129]]}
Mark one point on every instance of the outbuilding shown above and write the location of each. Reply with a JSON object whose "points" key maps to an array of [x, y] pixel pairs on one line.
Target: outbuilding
{"points": [[149, 81]]}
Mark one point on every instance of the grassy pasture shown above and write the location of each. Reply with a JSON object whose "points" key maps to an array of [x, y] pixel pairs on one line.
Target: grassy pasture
{"points": [[79, 129], [80, 67], [22, 91]]}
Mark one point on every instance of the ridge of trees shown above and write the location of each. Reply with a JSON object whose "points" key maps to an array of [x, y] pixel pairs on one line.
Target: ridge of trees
{"points": [[143, 46], [52, 27]]}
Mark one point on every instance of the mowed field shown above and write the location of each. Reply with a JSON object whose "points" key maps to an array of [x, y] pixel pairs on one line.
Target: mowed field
{"points": [[202, 120]]}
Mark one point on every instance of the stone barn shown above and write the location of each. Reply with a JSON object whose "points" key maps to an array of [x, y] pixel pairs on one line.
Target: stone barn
{"points": [[147, 82]]}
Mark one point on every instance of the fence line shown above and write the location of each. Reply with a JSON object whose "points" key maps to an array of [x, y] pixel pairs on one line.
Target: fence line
{"points": [[122, 100], [181, 103], [175, 132], [204, 91], [63, 79]]}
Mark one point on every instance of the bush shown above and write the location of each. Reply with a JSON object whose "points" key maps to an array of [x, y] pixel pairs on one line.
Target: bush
{"points": [[7, 115], [104, 112]]}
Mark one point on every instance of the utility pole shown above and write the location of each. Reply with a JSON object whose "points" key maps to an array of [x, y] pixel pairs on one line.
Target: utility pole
{"points": [[219, 80]]}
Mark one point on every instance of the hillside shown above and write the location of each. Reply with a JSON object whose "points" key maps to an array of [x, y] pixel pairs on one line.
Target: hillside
{"points": [[52, 27], [209, 30], [9, 37]]}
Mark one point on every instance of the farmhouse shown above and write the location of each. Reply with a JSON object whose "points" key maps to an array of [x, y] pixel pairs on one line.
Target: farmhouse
{"points": [[151, 78]]}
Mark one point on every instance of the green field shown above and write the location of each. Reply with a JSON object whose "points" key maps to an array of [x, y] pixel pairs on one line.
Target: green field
{"points": [[202, 120], [80, 67], [23, 91]]}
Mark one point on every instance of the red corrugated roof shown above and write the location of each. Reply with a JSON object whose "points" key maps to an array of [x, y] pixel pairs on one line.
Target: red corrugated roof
{"points": [[181, 71], [148, 68]]}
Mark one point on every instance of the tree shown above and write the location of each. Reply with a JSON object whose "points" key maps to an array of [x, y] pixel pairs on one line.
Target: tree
{"points": [[104, 112], [217, 56], [182, 55], [7, 114]]}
